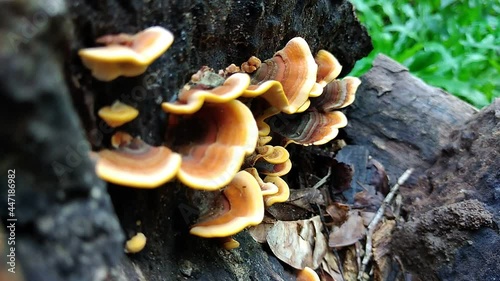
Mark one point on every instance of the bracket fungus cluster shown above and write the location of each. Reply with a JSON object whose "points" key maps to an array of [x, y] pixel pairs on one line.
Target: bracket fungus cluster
{"points": [[223, 129]]}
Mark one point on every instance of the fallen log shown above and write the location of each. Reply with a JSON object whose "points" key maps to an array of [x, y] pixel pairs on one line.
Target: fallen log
{"points": [[451, 200]]}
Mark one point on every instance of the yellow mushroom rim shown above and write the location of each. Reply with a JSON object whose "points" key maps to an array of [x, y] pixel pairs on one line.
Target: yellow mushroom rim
{"points": [[126, 55], [136, 243], [118, 114], [337, 94], [246, 209], [267, 188], [328, 67], [283, 191], [191, 100], [137, 164]]}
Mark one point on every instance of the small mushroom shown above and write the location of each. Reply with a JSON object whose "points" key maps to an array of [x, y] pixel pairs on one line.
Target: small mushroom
{"points": [[269, 169], [307, 274], [273, 154], [229, 243], [294, 67], [118, 114], [251, 64], [282, 194], [120, 138], [311, 127], [125, 54], [246, 208], [267, 188], [337, 94], [137, 164], [136, 243], [191, 99], [328, 67]]}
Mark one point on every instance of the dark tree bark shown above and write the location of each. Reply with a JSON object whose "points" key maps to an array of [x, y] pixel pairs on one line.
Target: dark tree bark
{"points": [[404, 122], [64, 225]]}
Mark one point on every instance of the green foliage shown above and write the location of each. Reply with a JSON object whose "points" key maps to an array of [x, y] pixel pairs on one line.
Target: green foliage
{"points": [[450, 44]]}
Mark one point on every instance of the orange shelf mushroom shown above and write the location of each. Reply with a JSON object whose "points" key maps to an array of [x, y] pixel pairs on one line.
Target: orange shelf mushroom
{"points": [[227, 132], [283, 191], [246, 208], [328, 67], [307, 274], [192, 99], [294, 67], [137, 164], [312, 127], [267, 188], [337, 94], [118, 114], [125, 54]]}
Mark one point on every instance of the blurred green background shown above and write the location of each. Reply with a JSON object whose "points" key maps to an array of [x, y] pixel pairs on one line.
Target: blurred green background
{"points": [[454, 45]]}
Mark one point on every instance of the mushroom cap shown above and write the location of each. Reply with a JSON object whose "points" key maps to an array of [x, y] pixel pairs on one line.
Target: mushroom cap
{"points": [[307, 274], [267, 188], [191, 100], [273, 154], [269, 169], [272, 91], [328, 67], [246, 209], [294, 67], [118, 114], [263, 140], [137, 164], [337, 94], [126, 55], [282, 194], [136, 243], [312, 127], [229, 243], [228, 132]]}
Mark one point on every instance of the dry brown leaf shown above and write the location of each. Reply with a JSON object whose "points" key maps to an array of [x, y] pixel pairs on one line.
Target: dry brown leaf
{"points": [[338, 212], [368, 200], [367, 217], [349, 232], [381, 240], [350, 264], [305, 197], [259, 232], [378, 177], [330, 267], [298, 243], [287, 212]]}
